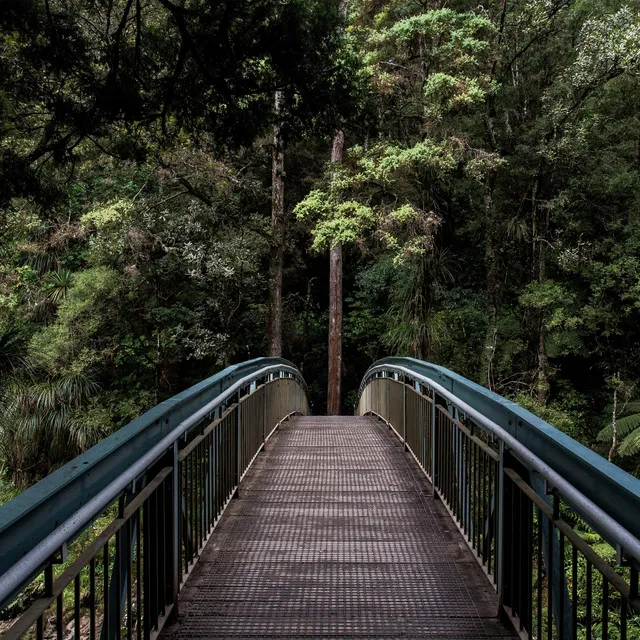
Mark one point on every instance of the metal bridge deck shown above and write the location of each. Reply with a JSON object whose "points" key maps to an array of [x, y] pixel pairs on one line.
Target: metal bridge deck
{"points": [[335, 535]]}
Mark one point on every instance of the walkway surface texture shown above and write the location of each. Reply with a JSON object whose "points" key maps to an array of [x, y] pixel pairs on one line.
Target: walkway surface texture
{"points": [[335, 535]]}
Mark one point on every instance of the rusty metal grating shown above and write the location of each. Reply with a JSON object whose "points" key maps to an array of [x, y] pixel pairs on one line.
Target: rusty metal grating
{"points": [[336, 535]]}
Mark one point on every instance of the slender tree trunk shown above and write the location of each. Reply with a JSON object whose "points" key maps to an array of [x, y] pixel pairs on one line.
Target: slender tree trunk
{"points": [[540, 226], [277, 236], [493, 279], [543, 379], [335, 330], [335, 294], [335, 306], [614, 424], [543, 383]]}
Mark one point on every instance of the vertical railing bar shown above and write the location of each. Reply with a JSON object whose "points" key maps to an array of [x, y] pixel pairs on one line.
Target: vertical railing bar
{"points": [[447, 458], [528, 598], [158, 558], [509, 587], [539, 567], [92, 599], [483, 511], [195, 490], [589, 599], [211, 483], [574, 592], [202, 503], [463, 479], [59, 617], [434, 451], [471, 499], [495, 530], [487, 528], [499, 515], [192, 522], [623, 618], [240, 442], [146, 563], [455, 471], [519, 578], [129, 546], [550, 588], [560, 622], [605, 608], [177, 494], [117, 577], [76, 607], [139, 573], [404, 412], [469, 490], [105, 593], [162, 551]]}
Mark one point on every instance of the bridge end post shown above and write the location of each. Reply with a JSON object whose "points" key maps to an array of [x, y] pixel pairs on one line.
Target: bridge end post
{"points": [[264, 416], [238, 474], [514, 544], [434, 456], [404, 413], [175, 529]]}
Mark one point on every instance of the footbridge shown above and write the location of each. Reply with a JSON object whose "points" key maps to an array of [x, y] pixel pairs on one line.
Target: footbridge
{"points": [[439, 510]]}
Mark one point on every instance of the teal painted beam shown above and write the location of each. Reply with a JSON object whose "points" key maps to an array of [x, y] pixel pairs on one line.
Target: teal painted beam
{"points": [[31, 516], [615, 491]]}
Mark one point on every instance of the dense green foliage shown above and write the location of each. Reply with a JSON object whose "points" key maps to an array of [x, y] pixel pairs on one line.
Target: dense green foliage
{"points": [[488, 203]]}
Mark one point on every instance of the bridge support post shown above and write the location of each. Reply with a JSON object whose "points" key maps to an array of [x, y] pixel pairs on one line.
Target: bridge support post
{"points": [[264, 416], [387, 400], [499, 509], [404, 413], [433, 443], [236, 493], [553, 558], [176, 515], [278, 402], [515, 545]]}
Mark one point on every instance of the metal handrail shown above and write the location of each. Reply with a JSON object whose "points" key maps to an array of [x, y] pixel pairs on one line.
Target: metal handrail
{"points": [[24, 569], [609, 527]]}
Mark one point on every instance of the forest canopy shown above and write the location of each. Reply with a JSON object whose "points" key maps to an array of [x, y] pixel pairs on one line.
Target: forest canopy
{"points": [[164, 162]]}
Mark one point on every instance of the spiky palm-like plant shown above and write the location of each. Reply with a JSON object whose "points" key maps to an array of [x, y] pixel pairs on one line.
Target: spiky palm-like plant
{"points": [[413, 328], [60, 282], [13, 350], [39, 425], [627, 427]]}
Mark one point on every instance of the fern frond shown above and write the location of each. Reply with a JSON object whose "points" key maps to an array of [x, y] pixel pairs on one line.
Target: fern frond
{"points": [[630, 445], [625, 426], [632, 407]]}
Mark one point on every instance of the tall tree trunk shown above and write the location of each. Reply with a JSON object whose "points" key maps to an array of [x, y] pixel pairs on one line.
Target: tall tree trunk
{"points": [[540, 226], [335, 330], [543, 382], [493, 279], [335, 306], [614, 422], [335, 294], [277, 235]]}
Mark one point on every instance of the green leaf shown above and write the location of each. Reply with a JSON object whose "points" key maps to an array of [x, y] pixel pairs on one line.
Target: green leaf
{"points": [[630, 445], [624, 426]]}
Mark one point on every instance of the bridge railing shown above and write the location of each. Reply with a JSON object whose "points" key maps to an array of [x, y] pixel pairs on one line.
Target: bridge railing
{"points": [[508, 479], [157, 510]]}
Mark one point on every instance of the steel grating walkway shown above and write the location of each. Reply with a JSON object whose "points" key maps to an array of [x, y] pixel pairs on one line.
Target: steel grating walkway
{"points": [[336, 535]]}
